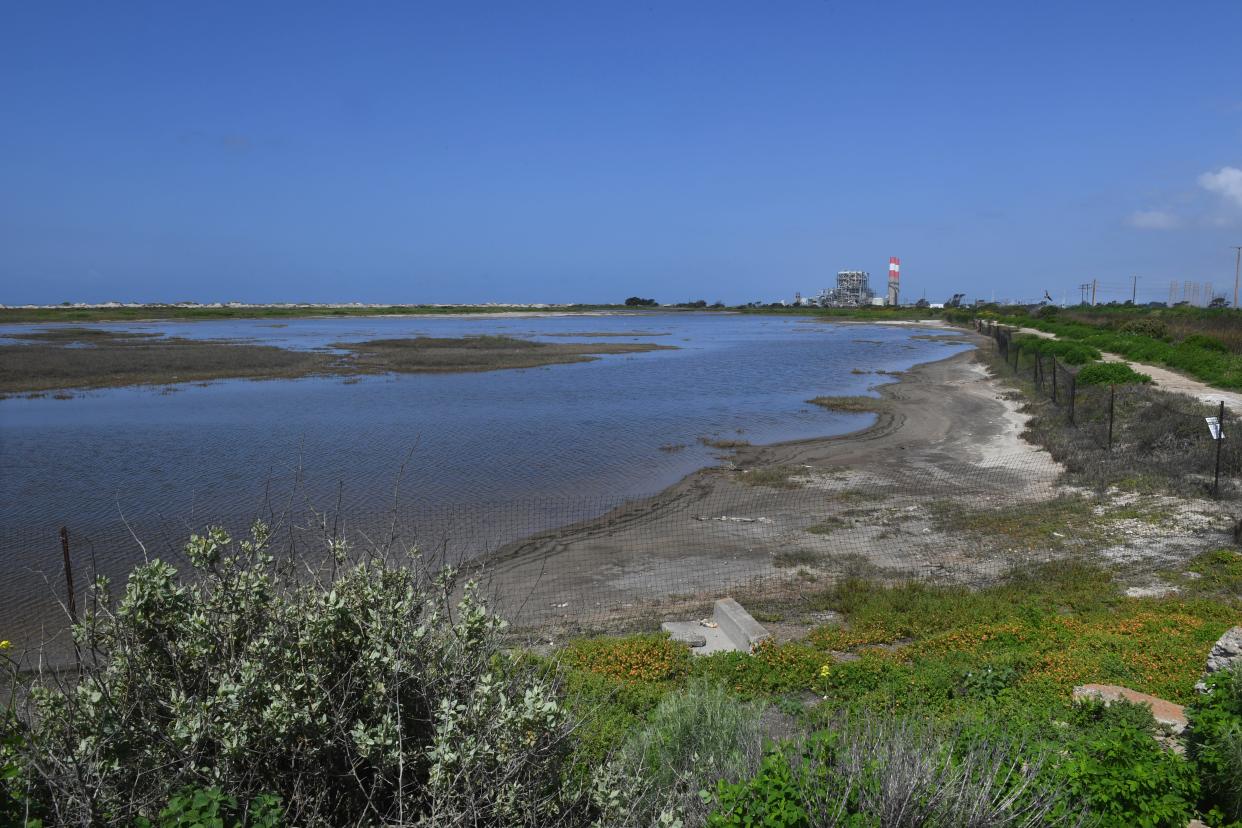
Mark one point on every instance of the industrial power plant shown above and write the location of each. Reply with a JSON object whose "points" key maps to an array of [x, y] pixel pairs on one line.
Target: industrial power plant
{"points": [[853, 289]]}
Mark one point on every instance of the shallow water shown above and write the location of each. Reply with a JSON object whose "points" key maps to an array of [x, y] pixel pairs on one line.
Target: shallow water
{"points": [[582, 433]]}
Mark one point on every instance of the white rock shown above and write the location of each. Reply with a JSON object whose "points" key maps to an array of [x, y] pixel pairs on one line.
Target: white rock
{"points": [[1226, 652]]}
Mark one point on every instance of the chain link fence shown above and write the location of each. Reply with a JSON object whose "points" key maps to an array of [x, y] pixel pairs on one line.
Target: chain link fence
{"points": [[1138, 424], [600, 563]]}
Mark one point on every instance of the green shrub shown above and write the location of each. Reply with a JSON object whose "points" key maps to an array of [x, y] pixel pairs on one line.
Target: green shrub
{"points": [[1111, 373], [358, 694], [1066, 351], [1146, 326], [1215, 744], [1207, 343], [1123, 775], [696, 736]]}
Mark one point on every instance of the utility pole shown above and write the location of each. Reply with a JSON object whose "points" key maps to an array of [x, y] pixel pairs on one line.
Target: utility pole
{"points": [[1094, 284], [1237, 266], [1133, 290], [1082, 290]]}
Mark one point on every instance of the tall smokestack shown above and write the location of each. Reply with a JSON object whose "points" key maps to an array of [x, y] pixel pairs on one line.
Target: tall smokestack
{"points": [[894, 279]]}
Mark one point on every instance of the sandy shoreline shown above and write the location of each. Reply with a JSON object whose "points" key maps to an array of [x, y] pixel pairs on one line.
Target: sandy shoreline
{"points": [[945, 422], [941, 488]]}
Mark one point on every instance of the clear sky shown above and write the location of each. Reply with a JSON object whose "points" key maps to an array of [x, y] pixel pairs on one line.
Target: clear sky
{"points": [[589, 151]]}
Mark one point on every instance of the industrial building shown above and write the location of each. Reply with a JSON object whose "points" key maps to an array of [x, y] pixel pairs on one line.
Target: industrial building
{"points": [[853, 289]]}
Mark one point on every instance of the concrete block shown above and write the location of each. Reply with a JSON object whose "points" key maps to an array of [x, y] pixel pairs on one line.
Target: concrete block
{"points": [[702, 640], [738, 625], [686, 632]]}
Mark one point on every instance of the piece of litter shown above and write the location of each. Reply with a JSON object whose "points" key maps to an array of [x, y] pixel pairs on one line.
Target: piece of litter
{"points": [[559, 606], [707, 622]]}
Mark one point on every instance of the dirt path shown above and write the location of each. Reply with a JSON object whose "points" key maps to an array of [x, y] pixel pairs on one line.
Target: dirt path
{"points": [[1164, 378]]}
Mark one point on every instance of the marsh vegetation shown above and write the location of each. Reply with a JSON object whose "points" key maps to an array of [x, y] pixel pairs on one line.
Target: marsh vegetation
{"points": [[62, 358]]}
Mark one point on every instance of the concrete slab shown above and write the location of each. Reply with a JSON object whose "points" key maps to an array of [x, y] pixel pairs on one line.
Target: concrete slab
{"points": [[702, 640], [738, 624]]}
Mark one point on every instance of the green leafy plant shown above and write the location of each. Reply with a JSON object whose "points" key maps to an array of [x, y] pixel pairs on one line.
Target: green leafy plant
{"points": [[212, 808], [1123, 775], [1215, 744], [773, 798]]}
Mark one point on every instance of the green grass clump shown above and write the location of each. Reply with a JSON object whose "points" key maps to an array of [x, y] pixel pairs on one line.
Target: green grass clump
{"points": [[1207, 343], [1111, 373], [1071, 353]]}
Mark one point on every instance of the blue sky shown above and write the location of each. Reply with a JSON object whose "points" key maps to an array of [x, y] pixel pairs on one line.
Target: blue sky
{"points": [[588, 151]]}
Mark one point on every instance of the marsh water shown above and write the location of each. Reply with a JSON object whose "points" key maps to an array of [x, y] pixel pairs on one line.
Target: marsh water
{"points": [[481, 446]]}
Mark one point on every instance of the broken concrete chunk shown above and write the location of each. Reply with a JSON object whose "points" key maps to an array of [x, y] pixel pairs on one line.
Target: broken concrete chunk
{"points": [[1165, 712]]}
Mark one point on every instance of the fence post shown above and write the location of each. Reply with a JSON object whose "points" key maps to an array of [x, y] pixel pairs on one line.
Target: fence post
{"points": [[1017, 350], [1073, 397], [64, 548], [1112, 396], [1220, 438], [1054, 378]]}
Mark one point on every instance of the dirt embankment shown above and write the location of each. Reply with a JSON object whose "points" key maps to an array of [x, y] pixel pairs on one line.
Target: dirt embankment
{"points": [[941, 487]]}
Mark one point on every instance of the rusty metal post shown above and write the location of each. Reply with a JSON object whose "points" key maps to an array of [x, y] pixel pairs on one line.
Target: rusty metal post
{"points": [[1054, 378]]}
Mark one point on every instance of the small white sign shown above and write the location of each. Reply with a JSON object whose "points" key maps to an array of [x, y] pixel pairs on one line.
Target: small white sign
{"points": [[1214, 427]]}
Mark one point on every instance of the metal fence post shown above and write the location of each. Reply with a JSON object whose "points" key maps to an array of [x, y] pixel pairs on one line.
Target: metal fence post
{"points": [[1220, 438], [64, 548], [1073, 397], [1112, 396], [1054, 378]]}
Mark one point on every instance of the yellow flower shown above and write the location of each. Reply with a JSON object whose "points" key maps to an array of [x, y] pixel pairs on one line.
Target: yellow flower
{"points": [[4, 645], [823, 671]]}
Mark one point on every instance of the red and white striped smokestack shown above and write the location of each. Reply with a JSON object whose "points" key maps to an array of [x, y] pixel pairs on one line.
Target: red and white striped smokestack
{"points": [[894, 279]]}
